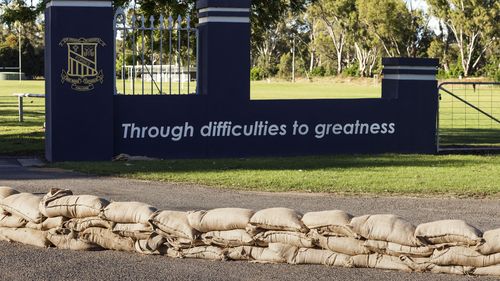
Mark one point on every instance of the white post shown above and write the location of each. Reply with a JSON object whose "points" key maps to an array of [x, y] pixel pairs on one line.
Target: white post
{"points": [[20, 58], [293, 59]]}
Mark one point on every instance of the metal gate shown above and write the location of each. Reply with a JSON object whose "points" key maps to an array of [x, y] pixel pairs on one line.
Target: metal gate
{"points": [[155, 56], [469, 116]]}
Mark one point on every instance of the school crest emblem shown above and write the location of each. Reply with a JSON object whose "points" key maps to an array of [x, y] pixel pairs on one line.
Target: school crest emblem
{"points": [[82, 71]]}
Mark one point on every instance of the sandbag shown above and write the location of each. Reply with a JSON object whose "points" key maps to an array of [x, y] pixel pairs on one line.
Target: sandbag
{"points": [[254, 254], [343, 245], [325, 257], [330, 223], [81, 224], [128, 212], [48, 223], [165, 250], [456, 232], [220, 219], [24, 205], [136, 231], [53, 194], [463, 256], [253, 230], [25, 236], [12, 221], [107, 239], [424, 265], [173, 223], [491, 244], [282, 219], [378, 261], [488, 271], [297, 239], [183, 243], [151, 245], [132, 227], [229, 238], [67, 239], [393, 249], [204, 252], [287, 252], [170, 252], [134, 234], [6, 191], [388, 228], [73, 206], [457, 270]]}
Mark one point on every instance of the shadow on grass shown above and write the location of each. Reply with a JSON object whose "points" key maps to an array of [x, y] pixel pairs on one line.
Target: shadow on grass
{"points": [[35, 111], [9, 104], [361, 162], [22, 144], [470, 137], [26, 123]]}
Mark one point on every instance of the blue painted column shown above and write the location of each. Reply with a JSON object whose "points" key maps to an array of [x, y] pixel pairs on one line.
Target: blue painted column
{"points": [[79, 72], [224, 58], [413, 82], [407, 76]]}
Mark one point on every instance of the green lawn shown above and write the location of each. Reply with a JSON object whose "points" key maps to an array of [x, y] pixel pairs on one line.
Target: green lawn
{"points": [[26, 138], [322, 89], [316, 90], [461, 124], [421, 175]]}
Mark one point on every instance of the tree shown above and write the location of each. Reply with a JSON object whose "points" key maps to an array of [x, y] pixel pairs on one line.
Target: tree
{"points": [[266, 20], [366, 48], [337, 17], [473, 23], [19, 11], [390, 22], [421, 36]]}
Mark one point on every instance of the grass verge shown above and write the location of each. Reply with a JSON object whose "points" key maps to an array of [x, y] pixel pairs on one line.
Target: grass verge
{"points": [[414, 175]]}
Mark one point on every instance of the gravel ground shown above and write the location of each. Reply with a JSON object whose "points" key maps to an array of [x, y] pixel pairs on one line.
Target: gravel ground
{"points": [[20, 262]]}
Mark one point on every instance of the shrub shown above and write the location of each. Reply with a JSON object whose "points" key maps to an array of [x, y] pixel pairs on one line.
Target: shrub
{"points": [[256, 74], [351, 71], [285, 67], [318, 71]]}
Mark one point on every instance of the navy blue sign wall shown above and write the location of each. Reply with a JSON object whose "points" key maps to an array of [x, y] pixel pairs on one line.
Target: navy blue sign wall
{"points": [[86, 121], [79, 71]]}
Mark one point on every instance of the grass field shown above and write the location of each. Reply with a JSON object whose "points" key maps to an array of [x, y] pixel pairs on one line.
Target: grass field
{"points": [[261, 90], [317, 90], [421, 175], [462, 124], [26, 138]]}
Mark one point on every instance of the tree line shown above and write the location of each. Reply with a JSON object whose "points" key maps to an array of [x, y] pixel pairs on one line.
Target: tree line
{"points": [[307, 38]]}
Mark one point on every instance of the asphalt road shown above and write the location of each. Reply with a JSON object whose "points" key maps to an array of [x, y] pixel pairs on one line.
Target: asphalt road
{"points": [[18, 262]]}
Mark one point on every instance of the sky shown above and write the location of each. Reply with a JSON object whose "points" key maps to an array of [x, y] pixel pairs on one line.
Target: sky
{"points": [[421, 4]]}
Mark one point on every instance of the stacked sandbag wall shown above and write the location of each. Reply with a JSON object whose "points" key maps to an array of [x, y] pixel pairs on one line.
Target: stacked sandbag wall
{"points": [[276, 235]]}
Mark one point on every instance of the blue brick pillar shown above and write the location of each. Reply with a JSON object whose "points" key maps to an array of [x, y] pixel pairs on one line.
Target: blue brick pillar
{"points": [[224, 58], [79, 72], [408, 76], [413, 82]]}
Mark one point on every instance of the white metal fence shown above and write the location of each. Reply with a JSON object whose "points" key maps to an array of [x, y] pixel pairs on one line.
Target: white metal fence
{"points": [[155, 56]]}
